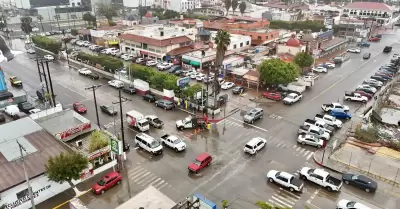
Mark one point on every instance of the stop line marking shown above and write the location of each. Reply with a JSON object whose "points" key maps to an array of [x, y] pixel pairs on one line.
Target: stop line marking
{"points": [[259, 128]]}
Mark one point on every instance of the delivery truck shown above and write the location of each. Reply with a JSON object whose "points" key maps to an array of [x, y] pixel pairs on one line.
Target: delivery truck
{"points": [[137, 120]]}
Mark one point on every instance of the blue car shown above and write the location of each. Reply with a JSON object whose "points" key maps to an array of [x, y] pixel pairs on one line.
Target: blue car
{"points": [[340, 114]]}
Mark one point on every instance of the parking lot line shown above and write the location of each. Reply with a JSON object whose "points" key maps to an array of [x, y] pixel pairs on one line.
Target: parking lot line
{"points": [[262, 129]]}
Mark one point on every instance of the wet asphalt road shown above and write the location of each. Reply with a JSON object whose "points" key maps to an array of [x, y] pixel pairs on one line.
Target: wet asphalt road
{"points": [[233, 175]]}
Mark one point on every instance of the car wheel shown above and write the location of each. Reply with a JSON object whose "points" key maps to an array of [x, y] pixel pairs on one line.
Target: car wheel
{"points": [[347, 182], [303, 143], [118, 182], [319, 146], [329, 189], [348, 99], [367, 190], [208, 164], [180, 128], [271, 180], [156, 105], [364, 101], [303, 177], [252, 122], [291, 189], [102, 192], [176, 150]]}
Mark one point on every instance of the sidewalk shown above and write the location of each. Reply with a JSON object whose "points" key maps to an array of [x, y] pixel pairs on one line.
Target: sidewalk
{"points": [[330, 56]]}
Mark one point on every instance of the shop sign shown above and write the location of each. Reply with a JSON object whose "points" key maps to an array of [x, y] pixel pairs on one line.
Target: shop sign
{"points": [[182, 81], [114, 145], [26, 198], [99, 153], [73, 131], [148, 53]]}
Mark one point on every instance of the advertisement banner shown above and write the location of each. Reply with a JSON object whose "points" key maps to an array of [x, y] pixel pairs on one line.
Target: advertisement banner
{"points": [[3, 85], [72, 131]]}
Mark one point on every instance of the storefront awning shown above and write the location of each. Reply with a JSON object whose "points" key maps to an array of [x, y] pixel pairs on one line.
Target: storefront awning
{"points": [[112, 42], [194, 63], [185, 61]]}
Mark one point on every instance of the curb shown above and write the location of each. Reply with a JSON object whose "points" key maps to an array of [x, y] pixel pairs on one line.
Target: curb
{"points": [[355, 142], [322, 165], [66, 202]]}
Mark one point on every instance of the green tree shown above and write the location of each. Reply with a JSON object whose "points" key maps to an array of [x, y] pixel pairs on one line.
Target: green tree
{"points": [[74, 17], [276, 71], [107, 10], [170, 14], [192, 90], [47, 43], [141, 72], [57, 17], [112, 23], [74, 31], [66, 167], [157, 80], [228, 4], [235, 4], [26, 24], [40, 18], [98, 140], [222, 40], [242, 7], [2, 206], [88, 17], [303, 59]]}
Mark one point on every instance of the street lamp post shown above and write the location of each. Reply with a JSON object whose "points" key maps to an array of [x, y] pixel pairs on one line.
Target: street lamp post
{"points": [[93, 88], [44, 75], [38, 68], [66, 47], [53, 96], [121, 100]]}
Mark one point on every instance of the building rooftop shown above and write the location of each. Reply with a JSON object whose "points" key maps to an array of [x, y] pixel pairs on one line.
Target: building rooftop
{"points": [[370, 6], [39, 145], [161, 32], [149, 198], [61, 121]]}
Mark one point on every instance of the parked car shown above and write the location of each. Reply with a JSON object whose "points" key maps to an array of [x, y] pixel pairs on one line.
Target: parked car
{"points": [[200, 77], [116, 84], [151, 63], [363, 44], [165, 104], [364, 94], [292, 98], [25, 107], [379, 78], [227, 85], [154, 121], [366, 55], [79, 107], [84, 71], [31, 51], [273, 96], [2, 118], [340, 114], [201, 161], [149, 97], [347, 204], [373, 82], [285, 179], [320, 69], [366, 90], [238, 90], [374, 39], [48, 57], [93, 76], [164, 66], [360, 181], [354, 50], [107, 182], [130, 90], [310, 139], [108, 109], [174, 69]]}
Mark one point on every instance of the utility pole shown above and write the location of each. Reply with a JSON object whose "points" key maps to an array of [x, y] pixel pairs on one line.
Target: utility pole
{"points": [[26, 175], [121, 100], [53, 96], [94, 88], [66, 47], [38, 68], [44, 75]]}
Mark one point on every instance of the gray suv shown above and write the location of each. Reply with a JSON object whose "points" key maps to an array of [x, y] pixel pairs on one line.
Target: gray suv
{"points": [[253, 115]]}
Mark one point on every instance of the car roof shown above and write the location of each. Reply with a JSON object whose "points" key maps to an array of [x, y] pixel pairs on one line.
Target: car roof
{"points": [[202, 156], [151, 116], [292, 94], [285, 175], [254, 141], [110, 175]]}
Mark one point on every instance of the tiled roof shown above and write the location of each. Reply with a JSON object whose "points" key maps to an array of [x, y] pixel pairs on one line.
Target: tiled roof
{"points": [[12, 172], [369, 6], [181, 50], [155, 42]]}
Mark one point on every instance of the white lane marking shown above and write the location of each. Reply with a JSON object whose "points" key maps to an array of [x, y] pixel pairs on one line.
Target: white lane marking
{"points": [[302, 150], [298, 148], [162, 186], [275, 203], [146, 179], [309, 156], [296, 197], [262, 129], [313, 196], [306, 153], [159, 183], [281, 202], [133, 173], [156, 181], [144, 183], [141, 175], [286, 199]]}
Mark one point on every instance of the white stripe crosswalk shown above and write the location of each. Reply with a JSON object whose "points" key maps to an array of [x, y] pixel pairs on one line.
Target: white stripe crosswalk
{"points": [[143, 177], [284, 199]]}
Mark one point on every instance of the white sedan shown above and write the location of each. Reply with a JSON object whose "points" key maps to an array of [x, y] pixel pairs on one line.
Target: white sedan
{"points": [[116, 84], [347, 204], [128, 57], [227, 85], [84, 71], [200, 77], [164, 66], [330, 65], [354, 50], [320, 69], [31, 51], [48, 57], [194, 75], [151, 63], [310, 140], [365, 86]]}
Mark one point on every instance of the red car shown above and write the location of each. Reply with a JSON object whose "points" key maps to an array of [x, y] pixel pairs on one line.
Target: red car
{"points": [[201, 161], [273, 95], [374, 39], [369, 96], [80, 108], [106, 182]]}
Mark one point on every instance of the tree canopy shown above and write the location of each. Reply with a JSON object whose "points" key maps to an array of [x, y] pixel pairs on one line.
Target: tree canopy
{"points": [[303, 59], [98, 140], [228, 5], [235, 4], [66, 167], [242, 7], [107, 10], [89, 18], [47, 43], [156, 79], [276, 71], [26, 24]]}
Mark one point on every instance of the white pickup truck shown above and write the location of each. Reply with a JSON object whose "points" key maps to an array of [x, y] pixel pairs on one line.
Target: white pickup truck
{"points": [[285, 179], [351, 96], [334, 105], [329, 119], [292, 98], [173, 142], [322, 178], [314, 130], [320, 124]]}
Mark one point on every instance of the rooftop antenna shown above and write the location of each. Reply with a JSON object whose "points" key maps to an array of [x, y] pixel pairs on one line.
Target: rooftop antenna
{"points": [[26, 174]]}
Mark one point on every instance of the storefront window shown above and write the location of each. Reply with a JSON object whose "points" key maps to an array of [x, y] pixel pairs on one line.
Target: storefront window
{"points": [[144, 46]]}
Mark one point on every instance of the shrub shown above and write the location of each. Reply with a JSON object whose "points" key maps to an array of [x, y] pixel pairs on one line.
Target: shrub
{"points": [[112, 23], [47, 43], [109, 63], [370, 135], [74, 32], [156, 79], [98, 140], [90, 27]]}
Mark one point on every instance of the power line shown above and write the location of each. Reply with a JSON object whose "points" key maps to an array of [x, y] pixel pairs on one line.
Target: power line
{"points": [[26, 175]]}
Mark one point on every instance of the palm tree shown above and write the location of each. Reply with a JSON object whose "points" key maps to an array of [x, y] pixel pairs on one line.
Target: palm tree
{"points": [[73, 16], [57, 17], [222, 40], [242, 7], [40, 18]]}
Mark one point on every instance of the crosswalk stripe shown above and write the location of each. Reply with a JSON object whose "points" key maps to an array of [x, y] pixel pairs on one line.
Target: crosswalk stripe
{"points": [[302, 150], [140, 181], [280, 201], [156, 181], [309, 156], [136, 168], [140, 175], [136, 172], [159, 183], [298, 148], [147, 181], [306, 153], [275, 203], [290, 193], [286, 199], [279, 144], [162, 186]]}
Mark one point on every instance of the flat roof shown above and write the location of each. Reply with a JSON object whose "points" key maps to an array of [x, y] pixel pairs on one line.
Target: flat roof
{"points": [[150, 198], [61, 121], [39, 146]]}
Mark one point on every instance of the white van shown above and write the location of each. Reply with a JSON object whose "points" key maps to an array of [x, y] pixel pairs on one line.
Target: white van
{"points": [[148, 143], [255, 145]]}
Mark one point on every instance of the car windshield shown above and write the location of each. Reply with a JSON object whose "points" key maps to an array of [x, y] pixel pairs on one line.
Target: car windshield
{"points": [[101, 182], [350, 204], [110, 109], [80, 106], [155, 144], [198, 163], [354, 177], [290, 96], [144, 123], [177, 141]]}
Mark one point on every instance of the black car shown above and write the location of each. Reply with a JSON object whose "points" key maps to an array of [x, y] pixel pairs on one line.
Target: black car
{"points": [[165, 104], [129, 90], [238, 90], [379, 78], [179, 72], [383, 75], [387, 49], [366, 55], [149, 97], [93, 76], [174, 68], [108, 109], [25, 107], [360, 181]]}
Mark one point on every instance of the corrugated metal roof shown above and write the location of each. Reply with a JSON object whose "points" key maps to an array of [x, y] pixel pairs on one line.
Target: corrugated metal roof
{"points": [[369, 6]]}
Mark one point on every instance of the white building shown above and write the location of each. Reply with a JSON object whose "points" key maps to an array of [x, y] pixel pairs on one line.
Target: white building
{"points": [[178, 5], [155, 41], [284, 16], [136, 3], [382, 12], [27, 4]]}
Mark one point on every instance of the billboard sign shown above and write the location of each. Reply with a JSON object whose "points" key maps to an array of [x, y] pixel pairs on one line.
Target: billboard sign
{"points": [[182, 81], [3, 85]]}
